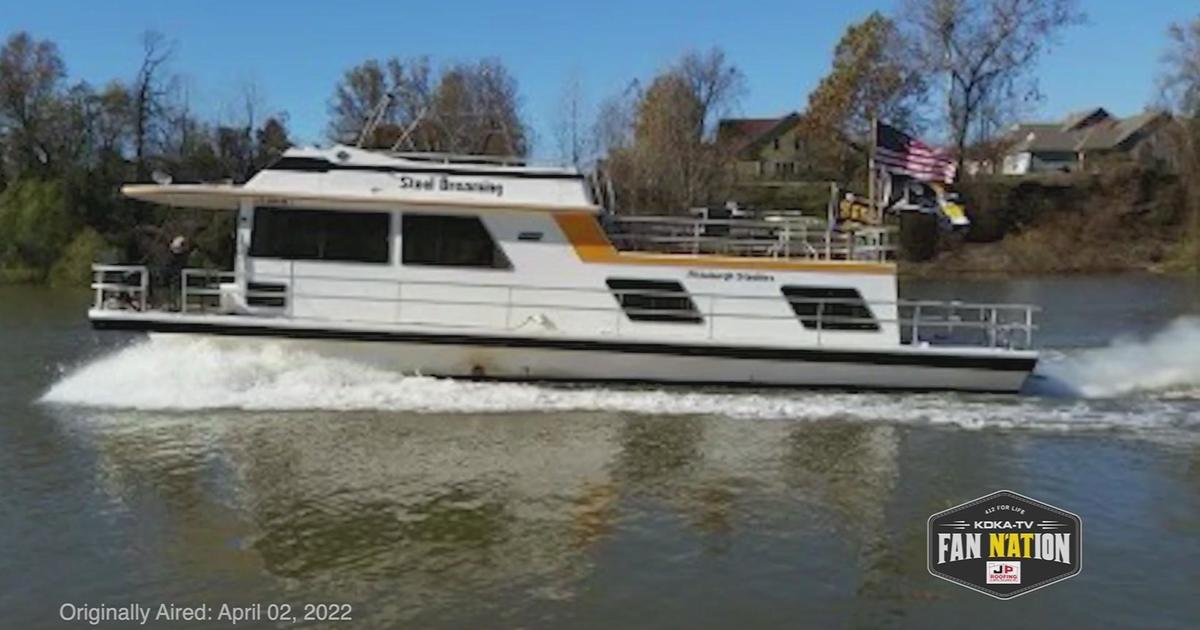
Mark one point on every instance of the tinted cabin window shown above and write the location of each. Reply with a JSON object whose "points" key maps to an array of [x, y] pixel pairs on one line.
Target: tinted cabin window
{"points": [[449, 241], [654, 301], [321, 235], [836, 308]]}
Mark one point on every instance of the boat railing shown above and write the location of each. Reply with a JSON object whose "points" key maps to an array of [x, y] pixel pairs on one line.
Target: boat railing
{"points": [[918, 322], [789, 238], [121, 287], [205, 290]]}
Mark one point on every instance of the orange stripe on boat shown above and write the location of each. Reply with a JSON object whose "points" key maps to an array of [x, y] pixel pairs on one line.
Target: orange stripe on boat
{"points": [[592, 246]]}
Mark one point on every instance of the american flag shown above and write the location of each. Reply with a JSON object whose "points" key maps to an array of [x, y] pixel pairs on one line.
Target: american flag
{"points": [[899, 153]]}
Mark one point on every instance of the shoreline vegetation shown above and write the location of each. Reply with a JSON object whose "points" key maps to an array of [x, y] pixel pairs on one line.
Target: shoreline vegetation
{"points": [[66, 148], [1125, 219]]}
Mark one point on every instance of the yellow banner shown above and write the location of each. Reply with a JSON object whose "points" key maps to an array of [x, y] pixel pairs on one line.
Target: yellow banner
{"points": [[852, 210]]}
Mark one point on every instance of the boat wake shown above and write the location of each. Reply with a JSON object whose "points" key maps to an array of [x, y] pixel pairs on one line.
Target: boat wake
{"points": [[1076, 391], [1163, 365]]}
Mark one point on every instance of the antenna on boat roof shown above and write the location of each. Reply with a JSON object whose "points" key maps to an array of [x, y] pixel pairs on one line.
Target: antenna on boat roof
{"points": [[601, 191], [373, 119], [408, 131]]}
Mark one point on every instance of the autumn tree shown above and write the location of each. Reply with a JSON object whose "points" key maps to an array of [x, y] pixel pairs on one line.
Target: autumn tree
{"points": [[360, 90], [871, 79], [111, 118], [271, 140], [667, 142], [466, 108], [980, 56], [31, 75], [668, 160]]}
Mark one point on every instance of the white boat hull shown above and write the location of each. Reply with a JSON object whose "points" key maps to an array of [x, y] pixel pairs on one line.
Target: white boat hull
{"points": [[461, 355], [523, 364]]}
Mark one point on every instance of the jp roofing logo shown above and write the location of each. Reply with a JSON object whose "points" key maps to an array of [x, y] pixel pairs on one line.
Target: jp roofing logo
{"points": [[1004, 572], [1005, 544]]}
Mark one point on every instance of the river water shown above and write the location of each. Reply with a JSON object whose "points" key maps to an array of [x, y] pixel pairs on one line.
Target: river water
{"points": [[175, 472]]}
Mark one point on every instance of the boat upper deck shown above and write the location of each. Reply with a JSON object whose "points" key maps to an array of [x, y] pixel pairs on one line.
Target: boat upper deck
{"points": [[781, 238]]}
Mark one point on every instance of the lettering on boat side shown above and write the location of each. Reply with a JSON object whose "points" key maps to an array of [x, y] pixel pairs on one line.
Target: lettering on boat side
{"points": [[445, 183], [730, 276], [1004, 544]]}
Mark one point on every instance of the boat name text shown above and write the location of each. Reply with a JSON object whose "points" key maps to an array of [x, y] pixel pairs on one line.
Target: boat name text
{"points": [[445, 183]]}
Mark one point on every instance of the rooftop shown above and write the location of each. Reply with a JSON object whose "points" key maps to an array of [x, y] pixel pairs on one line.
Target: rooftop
{"points": [[741, 134], [1089, 130]]}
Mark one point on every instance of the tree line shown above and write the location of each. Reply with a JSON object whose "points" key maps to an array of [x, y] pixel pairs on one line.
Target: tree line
{"points": [[962, 70], [66, 148], [961, 67]]}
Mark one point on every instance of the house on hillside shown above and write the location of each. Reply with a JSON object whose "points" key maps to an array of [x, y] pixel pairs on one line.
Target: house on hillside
{"points": [[765, 149], [1085, 141]]}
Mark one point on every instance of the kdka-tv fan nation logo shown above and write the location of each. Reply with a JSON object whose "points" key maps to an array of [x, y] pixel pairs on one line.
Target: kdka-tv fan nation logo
{"points": [[1005, 544]]}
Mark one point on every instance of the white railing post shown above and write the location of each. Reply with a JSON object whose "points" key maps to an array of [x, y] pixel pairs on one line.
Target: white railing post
{"points": [[144, 273], [820, 324], [399, 301], [291, 290], [1029, 327], [620, 311], [98, 280], [992, 327], [712, 300], [508, 310], [916, 324]]}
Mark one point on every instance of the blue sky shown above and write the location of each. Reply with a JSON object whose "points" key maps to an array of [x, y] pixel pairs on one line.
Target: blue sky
{"points": [[296, 50]]}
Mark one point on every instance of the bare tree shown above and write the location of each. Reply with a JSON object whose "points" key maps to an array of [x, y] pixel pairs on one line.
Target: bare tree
{"points": [[714, 83], [247, 105], [569, 132], [1180, 81], [151, 89], [612, 129], [236, 140], [984, 51], [1180, 78]]}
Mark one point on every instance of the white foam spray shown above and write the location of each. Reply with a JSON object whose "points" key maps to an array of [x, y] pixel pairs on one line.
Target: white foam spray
{"points": [[181, 374], [1164, 364]]}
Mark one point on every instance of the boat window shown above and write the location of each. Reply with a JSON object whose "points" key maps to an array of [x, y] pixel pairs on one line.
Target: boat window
{"points": [[830, 308], [321, 235], [430, 239], [654, 300]]}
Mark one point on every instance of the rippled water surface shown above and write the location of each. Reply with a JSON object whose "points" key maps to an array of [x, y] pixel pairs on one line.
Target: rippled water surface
{"points": [[183, 471]]}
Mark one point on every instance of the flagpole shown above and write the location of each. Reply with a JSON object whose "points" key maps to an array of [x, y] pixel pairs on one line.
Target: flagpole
{"points": [[871, 165]]}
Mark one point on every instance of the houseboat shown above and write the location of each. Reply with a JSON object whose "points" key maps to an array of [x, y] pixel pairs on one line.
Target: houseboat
{"points": [[478, 268]]}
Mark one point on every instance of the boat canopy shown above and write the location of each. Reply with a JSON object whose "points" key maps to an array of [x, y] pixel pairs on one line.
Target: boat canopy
{"points": [[346, 178], [228, 197]]}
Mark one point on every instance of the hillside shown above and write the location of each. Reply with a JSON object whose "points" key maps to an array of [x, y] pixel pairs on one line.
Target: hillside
{"points": [[1124, 219]]}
